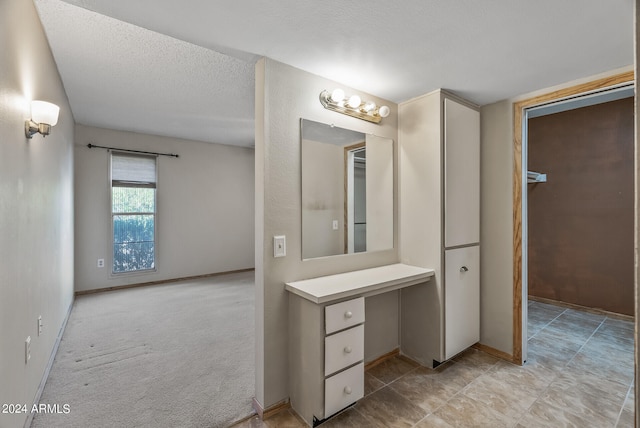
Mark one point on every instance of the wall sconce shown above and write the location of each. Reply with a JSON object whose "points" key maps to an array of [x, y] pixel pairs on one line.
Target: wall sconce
{"points": [[44, 115], [353, 106]]}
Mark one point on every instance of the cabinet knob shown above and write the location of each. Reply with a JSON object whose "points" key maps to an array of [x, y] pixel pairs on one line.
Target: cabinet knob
{"points": [[464, 269], [348, 314], [347, 349], [347, 390]]}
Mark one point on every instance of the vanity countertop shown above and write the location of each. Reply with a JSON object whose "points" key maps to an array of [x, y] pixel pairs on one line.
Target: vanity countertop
{"points": [[365, 282]]}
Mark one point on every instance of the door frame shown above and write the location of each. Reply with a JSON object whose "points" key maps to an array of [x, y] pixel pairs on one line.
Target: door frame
{"points": [[347, 151], [519, 183]]}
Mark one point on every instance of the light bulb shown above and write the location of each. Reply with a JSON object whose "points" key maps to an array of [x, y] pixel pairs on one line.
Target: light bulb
{"points": [[369, 106], [354, 101], [384, 111], [337, 95]]}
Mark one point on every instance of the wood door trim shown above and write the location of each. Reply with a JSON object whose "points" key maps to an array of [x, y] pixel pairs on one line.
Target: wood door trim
{"points": [[518, 109]]}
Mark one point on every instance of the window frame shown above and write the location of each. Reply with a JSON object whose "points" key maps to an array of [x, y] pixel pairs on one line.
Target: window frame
{"points": [[113, 274]]}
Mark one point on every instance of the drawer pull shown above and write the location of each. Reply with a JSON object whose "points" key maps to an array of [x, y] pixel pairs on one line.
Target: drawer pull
{"points": [[347, 349], [347, 390], [464, 269], [348, 314]]}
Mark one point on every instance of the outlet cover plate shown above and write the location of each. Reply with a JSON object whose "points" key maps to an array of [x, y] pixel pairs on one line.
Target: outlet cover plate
{"points": [[279, 246]]}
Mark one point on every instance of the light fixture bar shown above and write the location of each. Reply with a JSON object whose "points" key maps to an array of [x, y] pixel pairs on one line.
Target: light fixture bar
{"points": [[353, 106]]}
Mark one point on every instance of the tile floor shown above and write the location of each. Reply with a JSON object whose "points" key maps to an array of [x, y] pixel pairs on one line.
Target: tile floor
{"points": [[579, 373]]}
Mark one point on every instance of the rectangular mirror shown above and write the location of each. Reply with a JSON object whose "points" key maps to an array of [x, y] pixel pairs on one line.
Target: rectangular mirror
{"points": [[347, 191]]}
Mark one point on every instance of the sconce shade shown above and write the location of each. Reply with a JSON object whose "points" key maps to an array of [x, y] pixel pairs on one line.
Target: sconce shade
{"points": [[44, 112], [44, 115]]}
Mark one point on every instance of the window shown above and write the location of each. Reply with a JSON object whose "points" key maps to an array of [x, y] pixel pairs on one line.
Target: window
{"points": [[133, 212]]}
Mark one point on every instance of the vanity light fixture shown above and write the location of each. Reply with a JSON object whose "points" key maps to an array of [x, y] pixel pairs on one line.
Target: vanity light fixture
{"points": [[44, 115], [353, 106]]}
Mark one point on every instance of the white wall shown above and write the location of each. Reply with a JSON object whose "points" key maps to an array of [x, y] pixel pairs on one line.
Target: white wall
{"points": [[36, 208], [204, 207], [496, 226], [283, 96]]}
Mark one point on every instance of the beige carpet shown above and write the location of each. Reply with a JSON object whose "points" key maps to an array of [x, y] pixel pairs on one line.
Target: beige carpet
{"points": [[173, 355]]}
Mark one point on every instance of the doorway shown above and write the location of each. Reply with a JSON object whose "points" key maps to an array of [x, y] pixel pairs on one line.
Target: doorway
{"points": [[579, 93]]}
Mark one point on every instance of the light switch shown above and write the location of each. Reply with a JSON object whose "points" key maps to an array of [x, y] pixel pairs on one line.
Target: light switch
{"points": [[279, 246], [335, 224]]}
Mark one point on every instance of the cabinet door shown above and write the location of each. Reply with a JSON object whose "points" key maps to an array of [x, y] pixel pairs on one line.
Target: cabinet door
{"points": [[462, 174], [462, 299]]}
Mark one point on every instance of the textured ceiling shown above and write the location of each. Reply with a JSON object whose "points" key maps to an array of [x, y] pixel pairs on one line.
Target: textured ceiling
{"points": [[482, 50]]}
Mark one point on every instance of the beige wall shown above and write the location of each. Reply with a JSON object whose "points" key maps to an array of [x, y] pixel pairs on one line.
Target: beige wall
{"points": [[496, 215], [36, 208], [379, 178], [283, 96], [204, 207], [496, 226]]}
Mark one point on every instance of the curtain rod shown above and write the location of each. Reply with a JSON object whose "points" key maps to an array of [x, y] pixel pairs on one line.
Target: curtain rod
{"points": [[133, 151]]}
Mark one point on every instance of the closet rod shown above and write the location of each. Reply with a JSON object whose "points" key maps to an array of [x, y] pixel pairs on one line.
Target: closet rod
{"points": [[132, 151], [536, 177]]}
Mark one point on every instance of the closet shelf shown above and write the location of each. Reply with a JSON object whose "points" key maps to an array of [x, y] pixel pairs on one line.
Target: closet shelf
{"points": [[536, 177]]}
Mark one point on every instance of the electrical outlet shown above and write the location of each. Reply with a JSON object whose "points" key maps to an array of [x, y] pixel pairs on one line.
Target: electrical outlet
{"points": [[100, 263], [39, 325], [27, 349]]}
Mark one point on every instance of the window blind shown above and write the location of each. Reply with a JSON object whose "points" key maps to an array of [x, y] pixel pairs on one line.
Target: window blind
{"points": [[129, 170]]}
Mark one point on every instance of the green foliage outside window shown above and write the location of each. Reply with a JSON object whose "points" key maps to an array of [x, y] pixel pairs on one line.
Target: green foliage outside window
{"points": [[133, 211]]}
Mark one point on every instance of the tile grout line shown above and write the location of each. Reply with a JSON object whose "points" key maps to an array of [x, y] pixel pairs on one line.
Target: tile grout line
{"points": [[546, 325], [624, 402], [585, 342]]}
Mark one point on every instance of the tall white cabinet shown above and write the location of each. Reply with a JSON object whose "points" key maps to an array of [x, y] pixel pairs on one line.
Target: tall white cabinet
{"points": [[439, 142]]}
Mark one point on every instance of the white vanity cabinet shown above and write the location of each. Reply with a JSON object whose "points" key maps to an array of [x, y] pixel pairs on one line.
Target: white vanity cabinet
{"points": [[326, 358], [439, 144], [326, 335]]}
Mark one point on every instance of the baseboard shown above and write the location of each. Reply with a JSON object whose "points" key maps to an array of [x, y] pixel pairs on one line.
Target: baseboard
{"points": [[597, 311], [496, 353], [161, 281], [271, 410], [382, 358], [47, 369]]}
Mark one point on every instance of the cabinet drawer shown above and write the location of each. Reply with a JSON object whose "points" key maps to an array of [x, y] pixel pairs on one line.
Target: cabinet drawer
{"points": [[344, 315], [343, 389], [343, 349]]}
